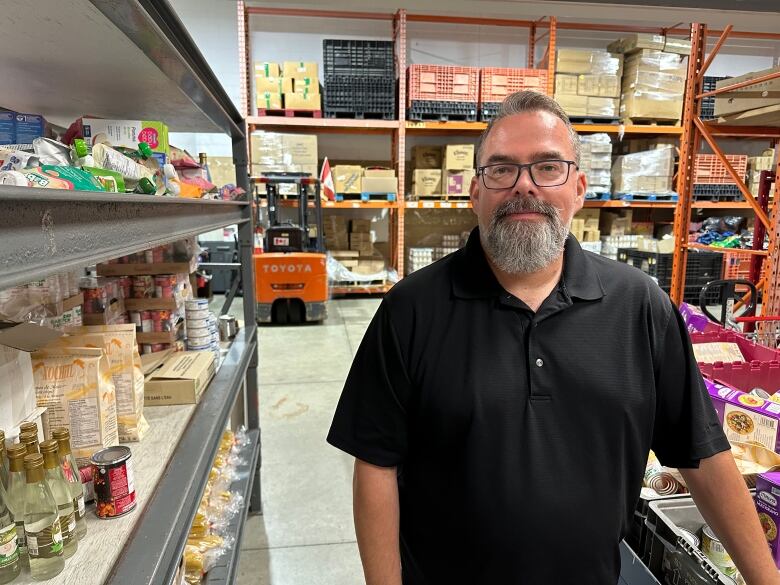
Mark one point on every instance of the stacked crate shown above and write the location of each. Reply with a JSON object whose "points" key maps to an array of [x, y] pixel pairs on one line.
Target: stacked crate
{"points": [[359, 79], [596, 162], [496, 83], [708, 103], [711, 180], [442, 93]]}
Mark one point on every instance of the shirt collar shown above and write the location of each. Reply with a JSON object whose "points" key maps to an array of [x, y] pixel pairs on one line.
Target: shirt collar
{"points": [[472, 277]]}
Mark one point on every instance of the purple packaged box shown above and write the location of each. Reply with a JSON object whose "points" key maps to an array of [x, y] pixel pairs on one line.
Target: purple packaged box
{"points": [[746, 418], [768, 507], [695, 320]]}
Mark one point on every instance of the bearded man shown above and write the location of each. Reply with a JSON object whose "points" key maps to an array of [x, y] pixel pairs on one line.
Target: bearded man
{"points": [[503, 401]]}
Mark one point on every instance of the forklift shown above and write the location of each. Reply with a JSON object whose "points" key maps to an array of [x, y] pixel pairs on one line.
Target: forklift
{"points": [[291, 275]]}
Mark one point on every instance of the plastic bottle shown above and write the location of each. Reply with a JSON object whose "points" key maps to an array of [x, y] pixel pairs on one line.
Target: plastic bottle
{"points": [[71, 472], [41, 523], [61, 491], [10, 564], [3, 461], [17, 484], [81, 155]]}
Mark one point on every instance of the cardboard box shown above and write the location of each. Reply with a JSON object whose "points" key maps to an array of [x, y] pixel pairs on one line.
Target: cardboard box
{"points": [[458, 157], [746, 418], [598, 85], [457, 182], [679, 46], [278, 85], [113, 314], [616, 223], [573, 105], [367, 267], [590, 217], [656, 61], [380, 185], [286, 152], [603, 107], [305, 85], [124, 133], [360, 226], [768, 507], [636, 42], [577, 229], [375, 172], [299, 101], [426, 182], [347, 178], [269, 101], [179, 379], [585, 61], [265, 69], [300, 69], [747, 98], [566, 84], [426, 157], [647, 106]]}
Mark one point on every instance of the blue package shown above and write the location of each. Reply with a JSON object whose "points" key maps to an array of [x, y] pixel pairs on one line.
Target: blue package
{"points": [[7, 127], [29, 127]]}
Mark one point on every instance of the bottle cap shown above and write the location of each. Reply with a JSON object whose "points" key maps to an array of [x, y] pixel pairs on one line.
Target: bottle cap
{"points": [[80, 147], [26, 427], [145, 150], [50, 446]]}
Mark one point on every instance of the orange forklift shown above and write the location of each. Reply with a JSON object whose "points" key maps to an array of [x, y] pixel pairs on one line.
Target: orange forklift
{"points": [[291, 276]]}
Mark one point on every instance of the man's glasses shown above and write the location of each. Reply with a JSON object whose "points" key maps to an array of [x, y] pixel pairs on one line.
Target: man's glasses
{"points": [[544, 173]]}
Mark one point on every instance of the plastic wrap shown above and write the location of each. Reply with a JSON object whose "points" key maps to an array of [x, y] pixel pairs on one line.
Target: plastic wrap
{"points": [[596, 161], [337, 272], [586, 61], [644, 172]]}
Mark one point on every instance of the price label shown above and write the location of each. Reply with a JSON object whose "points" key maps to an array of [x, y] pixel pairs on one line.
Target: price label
{"points": [[330, 204], [412, 204], [416, 125], [445, 205], [462, 205], [356, 205], [429, 204]]}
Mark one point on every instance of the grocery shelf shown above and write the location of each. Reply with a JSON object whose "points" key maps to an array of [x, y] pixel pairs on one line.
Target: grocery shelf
{"points": [[47, 231], [322, 125], [339, 204], [151, 554], [724, 250], [225, 571], [743, 131], [138, 61], [477, 127], [620, 203], [433, 204]]}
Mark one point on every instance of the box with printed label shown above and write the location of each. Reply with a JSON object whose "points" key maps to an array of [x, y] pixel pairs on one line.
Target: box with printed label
{"points": [[299, 101], [636, 42], [746, 418], [426, 181], [566, 84], [380, 185], [347, 178], [266, 69], [300, 69], [124, 133], [426, 157], [269, 101], [379, 173], [598, 86], [29, 127], [573, 105], [603, 107], [306, 85], [766, 93], [768, 507], [180, 379], [7, 127], [458, 157], [458, 182], [273, 85]]}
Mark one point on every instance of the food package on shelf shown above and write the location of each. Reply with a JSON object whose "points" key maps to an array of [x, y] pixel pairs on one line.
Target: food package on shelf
{"points": [[602, 107], [596, 161], [283, 153], [653, 85], [573, 105], [644, 172], [266, 69], [603, 85], [567, 84], [587, 61]]}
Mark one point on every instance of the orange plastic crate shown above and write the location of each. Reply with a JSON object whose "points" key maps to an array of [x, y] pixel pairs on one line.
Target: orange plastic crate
{"points": [[443, 83], [709, 170], [736, 265], [495, 83]]}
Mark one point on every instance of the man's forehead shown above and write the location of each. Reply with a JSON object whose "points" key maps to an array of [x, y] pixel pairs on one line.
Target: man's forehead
{"points": [[549, 133]]}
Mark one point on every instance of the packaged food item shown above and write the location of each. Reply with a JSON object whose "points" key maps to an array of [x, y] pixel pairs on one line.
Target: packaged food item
{"points": [[114, 482], [15, 178], [17, 160], [714, 550], [62, 177], [60, 489], [108, 158], [52, 153], [768, 507], [119, 344], [75, 386], [111, 181]]}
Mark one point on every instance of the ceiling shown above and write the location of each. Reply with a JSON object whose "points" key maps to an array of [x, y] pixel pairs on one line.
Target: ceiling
{"points": [[771, 6]]}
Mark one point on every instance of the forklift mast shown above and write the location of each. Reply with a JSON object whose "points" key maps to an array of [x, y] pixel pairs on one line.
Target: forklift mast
{"points": [[287, 236]]}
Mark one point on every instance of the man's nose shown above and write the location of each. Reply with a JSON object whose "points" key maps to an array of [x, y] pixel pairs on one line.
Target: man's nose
{"points": [[524, 185]]}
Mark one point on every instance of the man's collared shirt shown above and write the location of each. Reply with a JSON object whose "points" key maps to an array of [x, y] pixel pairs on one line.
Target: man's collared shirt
{"points": [[521, 438]]}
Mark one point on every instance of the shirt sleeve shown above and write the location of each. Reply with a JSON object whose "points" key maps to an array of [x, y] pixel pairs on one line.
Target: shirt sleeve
{"points": [[686, 429], [370, 422]]}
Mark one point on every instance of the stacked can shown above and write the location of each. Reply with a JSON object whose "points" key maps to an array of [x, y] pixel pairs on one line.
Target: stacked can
{"points": [[202, 330]]}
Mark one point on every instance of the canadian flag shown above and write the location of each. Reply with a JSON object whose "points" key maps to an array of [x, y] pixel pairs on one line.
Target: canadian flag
{"points": [[326, 181]]}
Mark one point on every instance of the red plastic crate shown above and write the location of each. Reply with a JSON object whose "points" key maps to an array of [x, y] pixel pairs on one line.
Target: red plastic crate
{"points": [[495, 83], [745, 376], [443, 83], [750, 350], [709, 170]]}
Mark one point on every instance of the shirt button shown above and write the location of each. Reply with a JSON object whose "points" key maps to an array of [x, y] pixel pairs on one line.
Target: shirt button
{"points": [[539, 362]]}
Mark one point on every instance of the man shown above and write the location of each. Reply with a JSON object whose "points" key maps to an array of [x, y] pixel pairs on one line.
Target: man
{"points": [[503, 402]]}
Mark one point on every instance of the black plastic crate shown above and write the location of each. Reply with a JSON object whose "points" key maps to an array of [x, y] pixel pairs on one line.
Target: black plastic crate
{"points": [[717, 192], [353, 57], [708, 103], [422, 110], [488, 111], [359, 97]]}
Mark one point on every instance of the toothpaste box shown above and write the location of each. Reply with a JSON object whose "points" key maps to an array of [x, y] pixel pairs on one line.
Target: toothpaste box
{"points": [[7, 127], [29, 127], [746, 418], [123, 133], [768, 507]]}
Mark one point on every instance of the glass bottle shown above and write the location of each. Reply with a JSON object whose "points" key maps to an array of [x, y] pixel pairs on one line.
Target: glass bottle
{"points": [[204, 164], [17, 485], [10, 564], [28, 427], [41, 523], [30, 441], [71, 472], [3, 461], [61, 491]]}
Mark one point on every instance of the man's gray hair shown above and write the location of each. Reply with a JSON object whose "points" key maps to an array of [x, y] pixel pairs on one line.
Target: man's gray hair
{"points": [[531, 101]]}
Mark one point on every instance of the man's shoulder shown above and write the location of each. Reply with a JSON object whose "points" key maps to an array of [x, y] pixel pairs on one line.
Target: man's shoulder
{"points": [[621, 280], [427, 286]]}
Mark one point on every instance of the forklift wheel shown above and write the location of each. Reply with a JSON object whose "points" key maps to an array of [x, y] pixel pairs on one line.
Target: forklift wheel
{"points": [[279, 312], [296, 311]]}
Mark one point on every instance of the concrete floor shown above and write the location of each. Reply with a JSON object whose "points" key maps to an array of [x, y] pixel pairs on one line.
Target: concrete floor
{"points": [[306, 535]]}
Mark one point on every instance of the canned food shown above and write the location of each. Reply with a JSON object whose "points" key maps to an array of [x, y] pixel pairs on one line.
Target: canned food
{"points": [[196, 304], [126, 284], [199, 342], [689, 536], [714, 550], [164, 286], [760, 393], [147, 322], [143, 287], [158, 254], [114, 483], [198, 314], [149, 256], [135, 318]]}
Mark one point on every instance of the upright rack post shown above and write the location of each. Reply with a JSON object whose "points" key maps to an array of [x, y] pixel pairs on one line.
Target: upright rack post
{"points": [[399, 136]]}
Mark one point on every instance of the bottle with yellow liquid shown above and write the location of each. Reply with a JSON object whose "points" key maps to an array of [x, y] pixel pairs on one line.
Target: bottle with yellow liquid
{"points": [[71, 471], [61, 491], [41, 523]]}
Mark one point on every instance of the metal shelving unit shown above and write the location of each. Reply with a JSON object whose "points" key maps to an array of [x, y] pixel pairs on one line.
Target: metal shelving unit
{"points": [[137, 62]]}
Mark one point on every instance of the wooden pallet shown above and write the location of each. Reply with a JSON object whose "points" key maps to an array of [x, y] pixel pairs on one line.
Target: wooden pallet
{"points": [[366, 197], [290, 113], [443, 197], [360, 115], [649, 122], [593, 120], [358, 284]]}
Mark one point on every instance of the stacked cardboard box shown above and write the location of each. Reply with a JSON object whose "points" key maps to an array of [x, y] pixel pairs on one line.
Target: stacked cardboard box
{"points": [[756, 104], [348, 179], [269, 86], [756, 164], [653, 85], [276, 153], [336, 232], [596, 162], [585, 225], [305, 94], [360, 237], [650, 171], [380, 181], [587, 82], [444, 170]]}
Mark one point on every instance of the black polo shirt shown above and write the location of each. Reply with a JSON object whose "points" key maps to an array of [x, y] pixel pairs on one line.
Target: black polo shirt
{"points": [[521, 438]]}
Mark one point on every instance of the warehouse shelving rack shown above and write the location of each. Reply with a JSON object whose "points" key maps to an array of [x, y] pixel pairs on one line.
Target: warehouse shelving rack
{"points": [[138, 61], [694, 131], [543, 30]]}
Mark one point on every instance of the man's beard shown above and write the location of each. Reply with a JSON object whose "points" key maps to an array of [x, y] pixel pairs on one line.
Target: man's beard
{"points": [[524, 246]]}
